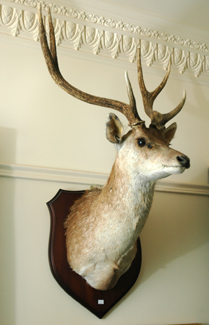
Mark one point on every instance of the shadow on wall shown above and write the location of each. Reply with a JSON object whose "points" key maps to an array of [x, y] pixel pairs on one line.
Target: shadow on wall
{"points": [[178, 224], [7, 145], [7, 230]]}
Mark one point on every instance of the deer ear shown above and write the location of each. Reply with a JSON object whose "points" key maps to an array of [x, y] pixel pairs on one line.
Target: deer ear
{"points": [[170, 132], [114, 129]]}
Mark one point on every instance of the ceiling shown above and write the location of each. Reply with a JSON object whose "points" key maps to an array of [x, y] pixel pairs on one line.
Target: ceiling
{"points": [[191, 12], [174, 31], [174, 16]]}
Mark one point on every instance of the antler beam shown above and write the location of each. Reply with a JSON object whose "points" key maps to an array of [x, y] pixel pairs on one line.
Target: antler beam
{"points": [[130, 111]]}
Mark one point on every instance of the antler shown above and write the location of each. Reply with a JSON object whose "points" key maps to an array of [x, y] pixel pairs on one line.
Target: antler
{"points": [[157, 119], [129, 110]]}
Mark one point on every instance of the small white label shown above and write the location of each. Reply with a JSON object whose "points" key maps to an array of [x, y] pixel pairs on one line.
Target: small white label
{"points": [[100, 302]]}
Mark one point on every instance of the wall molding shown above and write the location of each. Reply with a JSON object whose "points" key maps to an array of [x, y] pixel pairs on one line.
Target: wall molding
{"points": [[116, 24], [100, 35], [87, 178]]}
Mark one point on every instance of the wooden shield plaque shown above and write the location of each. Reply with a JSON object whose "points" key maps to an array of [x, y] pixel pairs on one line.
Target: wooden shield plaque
{"points": [[96, 301]]}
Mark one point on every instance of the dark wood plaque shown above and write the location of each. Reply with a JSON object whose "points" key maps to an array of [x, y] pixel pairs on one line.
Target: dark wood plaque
{"points": [[96, 301]]}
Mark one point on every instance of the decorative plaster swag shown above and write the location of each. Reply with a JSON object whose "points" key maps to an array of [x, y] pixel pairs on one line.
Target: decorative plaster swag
{"points": [[101, 34]]}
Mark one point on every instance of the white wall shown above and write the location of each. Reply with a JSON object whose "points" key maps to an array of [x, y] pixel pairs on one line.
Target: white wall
{"points": [[40, 125]]}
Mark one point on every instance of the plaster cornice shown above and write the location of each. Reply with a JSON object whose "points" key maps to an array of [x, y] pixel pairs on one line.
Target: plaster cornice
{"points": [[106, 36]]}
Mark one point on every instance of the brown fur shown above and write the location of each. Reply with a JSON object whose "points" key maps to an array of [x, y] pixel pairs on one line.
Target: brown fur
{"points": [[104, 224]]}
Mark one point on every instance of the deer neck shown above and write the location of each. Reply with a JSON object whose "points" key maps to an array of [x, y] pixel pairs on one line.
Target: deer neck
{"points": [[125, 202], [132, 193]]}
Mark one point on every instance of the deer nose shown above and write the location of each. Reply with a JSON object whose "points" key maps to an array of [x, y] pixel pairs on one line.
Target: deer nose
{"points": [[184, 161]]}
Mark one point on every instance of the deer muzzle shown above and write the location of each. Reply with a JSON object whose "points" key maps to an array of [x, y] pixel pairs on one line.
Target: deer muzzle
{"points": [[184, 161]]}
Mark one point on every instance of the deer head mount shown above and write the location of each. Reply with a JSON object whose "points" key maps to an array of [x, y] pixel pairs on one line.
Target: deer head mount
{"points": [[103, 226]]}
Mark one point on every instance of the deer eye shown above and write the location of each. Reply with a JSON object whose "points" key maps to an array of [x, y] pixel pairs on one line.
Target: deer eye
{"points": [[141, 142]]}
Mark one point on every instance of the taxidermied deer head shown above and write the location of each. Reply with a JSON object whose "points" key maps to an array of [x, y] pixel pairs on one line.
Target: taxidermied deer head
{"points": [[103, 226]]}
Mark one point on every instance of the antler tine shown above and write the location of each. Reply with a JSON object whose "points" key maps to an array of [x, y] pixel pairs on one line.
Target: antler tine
{"points": [[144, 92], [52, 40], [50, 56], [167, 117], [132, 100]]}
